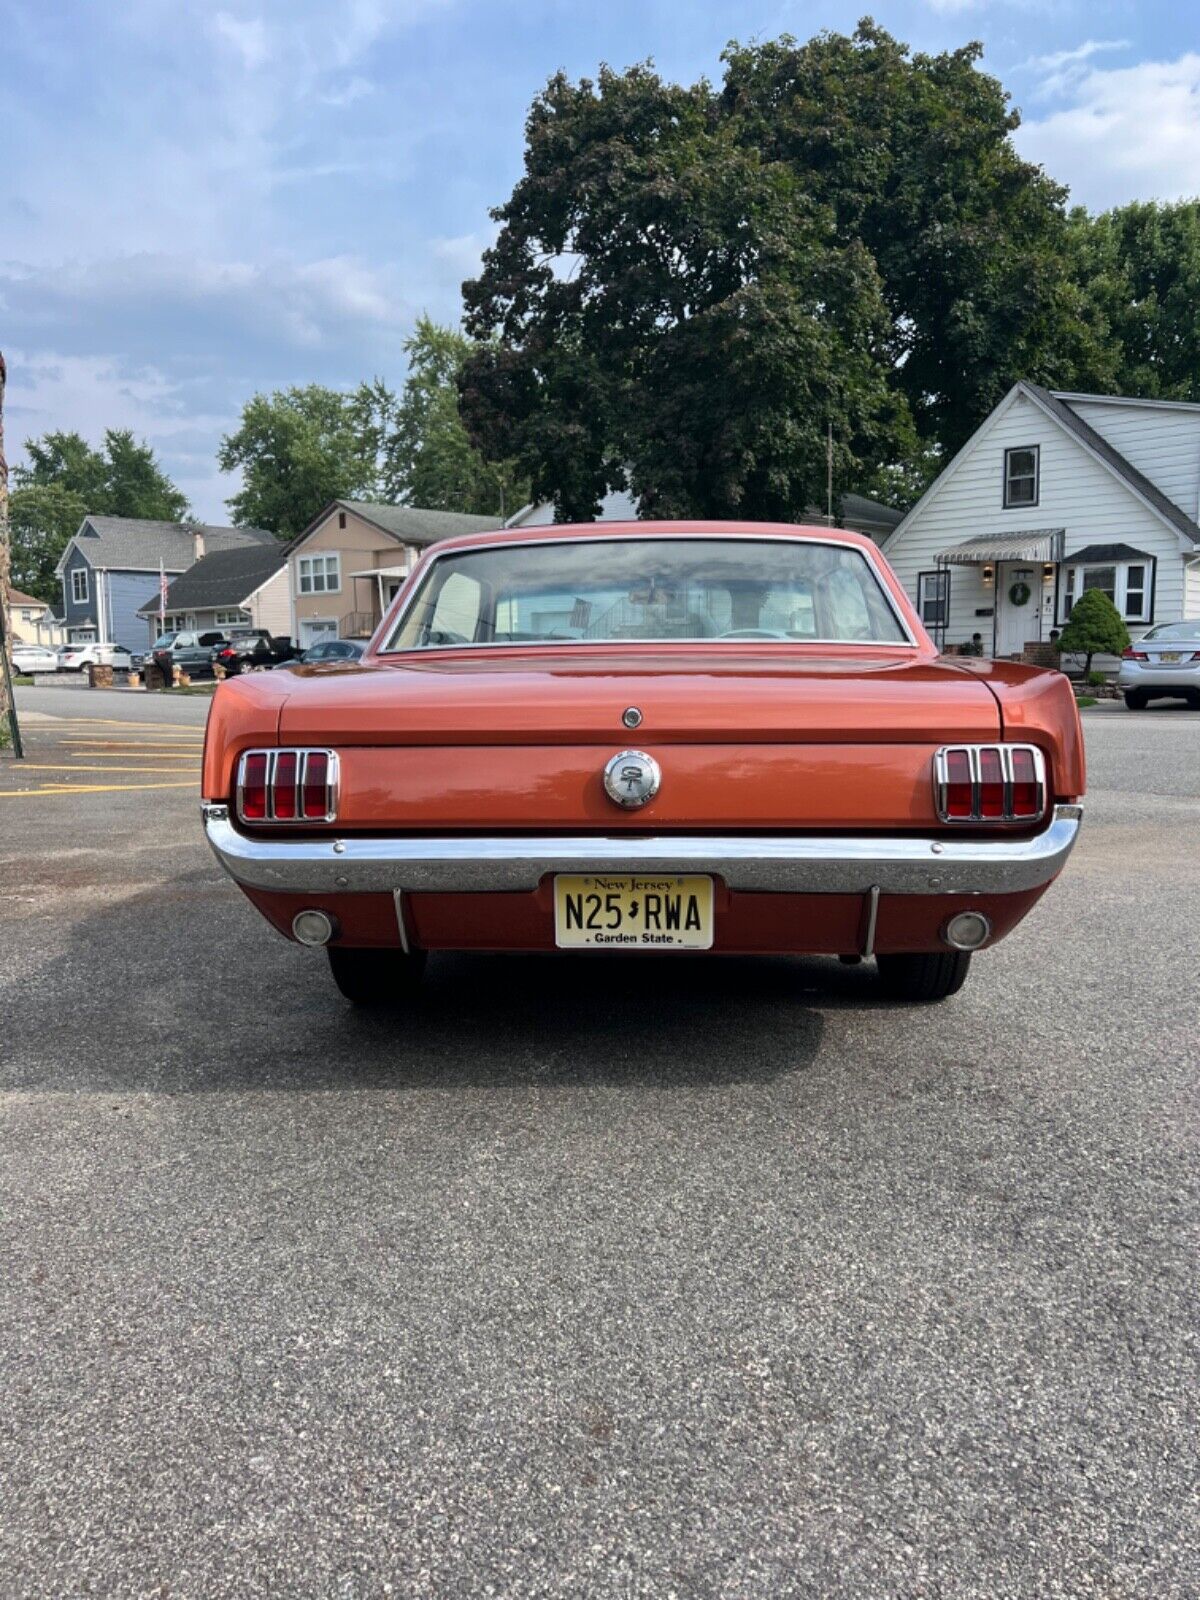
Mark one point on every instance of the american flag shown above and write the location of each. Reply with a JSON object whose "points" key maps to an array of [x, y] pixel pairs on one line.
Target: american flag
{"points": [[162, 597]]}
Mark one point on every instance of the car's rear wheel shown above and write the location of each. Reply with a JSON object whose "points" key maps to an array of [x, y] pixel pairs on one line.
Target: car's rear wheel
{"points": [[376, 977], [924, 976], [1135, 699]]}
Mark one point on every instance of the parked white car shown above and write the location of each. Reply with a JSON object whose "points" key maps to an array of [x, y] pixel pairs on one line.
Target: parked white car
{"points": [[95, 654], [30, 658]]}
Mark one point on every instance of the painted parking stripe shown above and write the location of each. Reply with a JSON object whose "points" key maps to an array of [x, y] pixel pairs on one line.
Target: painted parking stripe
{"points": [[43, 766], [91, 788]]}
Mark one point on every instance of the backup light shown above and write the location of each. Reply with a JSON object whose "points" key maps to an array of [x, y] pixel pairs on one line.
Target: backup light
{"points": [[967, 931], [287, 786], [989, 783]]}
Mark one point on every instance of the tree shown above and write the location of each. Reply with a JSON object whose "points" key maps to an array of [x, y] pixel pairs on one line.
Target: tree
{"points": [[1094, 628], [300, 448], [691, 284], [429, 458], [1140, 267], [667, 309], [43, 520], [123, 479]]}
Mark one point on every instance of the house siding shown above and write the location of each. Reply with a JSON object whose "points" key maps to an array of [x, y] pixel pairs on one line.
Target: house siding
{"points": [[1191, 598], [1159, 441], [617, 506], [361, 546], [1076, 493], [124, 594], [271, 606]]}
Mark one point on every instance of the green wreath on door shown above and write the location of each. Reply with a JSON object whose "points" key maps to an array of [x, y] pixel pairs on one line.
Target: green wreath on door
{"points": [[1019, 593]]}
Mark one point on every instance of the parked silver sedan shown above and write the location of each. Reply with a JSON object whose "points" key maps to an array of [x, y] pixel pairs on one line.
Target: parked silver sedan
{"points": [[1163, 664]]}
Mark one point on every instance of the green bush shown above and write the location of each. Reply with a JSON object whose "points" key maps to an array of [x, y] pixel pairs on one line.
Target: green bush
{"points": [[1094, 628], [1099, 679]]}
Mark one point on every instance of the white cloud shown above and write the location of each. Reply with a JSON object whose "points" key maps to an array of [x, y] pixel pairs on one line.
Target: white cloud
{"points": [[1126, 133], [1059, 72], [247, 37], [953, 8]]}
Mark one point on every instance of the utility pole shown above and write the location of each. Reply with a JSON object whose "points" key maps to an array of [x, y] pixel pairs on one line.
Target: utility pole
{"points": [[829, 474], [8, 701]]}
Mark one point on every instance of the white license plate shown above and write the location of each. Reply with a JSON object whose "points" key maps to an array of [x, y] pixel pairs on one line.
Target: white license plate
{"points": [[617, 912], [1171, 655]]}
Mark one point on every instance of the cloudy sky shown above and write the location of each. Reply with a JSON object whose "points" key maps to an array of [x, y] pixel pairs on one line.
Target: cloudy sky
{"points": [[199, 201]]}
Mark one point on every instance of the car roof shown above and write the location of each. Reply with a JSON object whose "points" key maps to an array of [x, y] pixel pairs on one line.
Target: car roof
{"points": [[553, 531]]}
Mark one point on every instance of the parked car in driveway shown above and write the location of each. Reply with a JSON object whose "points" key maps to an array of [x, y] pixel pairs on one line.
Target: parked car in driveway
{"points": [[31, 658], [191, 651], [255, 649], [1164, 664], [662, 737], [326, 650], [75, 657]]}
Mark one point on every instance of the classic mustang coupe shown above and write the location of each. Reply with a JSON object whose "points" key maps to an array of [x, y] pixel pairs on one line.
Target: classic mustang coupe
{"points": [[662, 737]]}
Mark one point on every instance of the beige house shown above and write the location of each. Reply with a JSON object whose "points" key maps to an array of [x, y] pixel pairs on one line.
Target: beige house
{"points": [[32, 620], [345, 568]]}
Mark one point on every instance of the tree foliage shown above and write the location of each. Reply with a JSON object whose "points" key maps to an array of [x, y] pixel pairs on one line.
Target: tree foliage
{"points": [[690, 283], [1094, 628], [64, 480], [429, 459], [1140, 267], [300, 448]]}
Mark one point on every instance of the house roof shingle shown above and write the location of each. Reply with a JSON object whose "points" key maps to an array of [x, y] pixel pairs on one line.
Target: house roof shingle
{"points": [[16, 598], [140, 544], [412, 525], [223, 579], [1096, 442]]}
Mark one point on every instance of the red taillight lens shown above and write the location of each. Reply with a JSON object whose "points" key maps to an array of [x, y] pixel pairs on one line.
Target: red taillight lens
{"points": [[316, 785], [253, 799], [1026, 787], [991, 783], [1130, 654], [960, 789], [283, 787], [287, 786]]}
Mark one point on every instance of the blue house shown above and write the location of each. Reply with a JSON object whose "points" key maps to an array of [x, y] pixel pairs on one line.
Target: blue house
{"points": [[111, 568]]}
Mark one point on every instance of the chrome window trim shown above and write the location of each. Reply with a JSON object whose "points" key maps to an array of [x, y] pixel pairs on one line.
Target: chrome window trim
{"points": [[941, 782], [909, 642], [333, 774]]}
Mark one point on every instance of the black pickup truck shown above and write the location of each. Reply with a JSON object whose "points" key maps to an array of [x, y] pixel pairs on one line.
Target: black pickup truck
{"points": [[247, 649]]}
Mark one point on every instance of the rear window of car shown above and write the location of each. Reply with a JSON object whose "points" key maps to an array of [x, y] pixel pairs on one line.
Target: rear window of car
{"points": [[1174, 630], [585, 591]]}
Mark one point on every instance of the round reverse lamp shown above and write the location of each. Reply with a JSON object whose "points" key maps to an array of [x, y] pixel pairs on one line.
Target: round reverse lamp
{"points": [[313, 927], [967, 931]]}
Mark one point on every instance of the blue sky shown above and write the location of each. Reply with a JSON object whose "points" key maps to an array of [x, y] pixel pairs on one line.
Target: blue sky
{"points": [[199, 201]]}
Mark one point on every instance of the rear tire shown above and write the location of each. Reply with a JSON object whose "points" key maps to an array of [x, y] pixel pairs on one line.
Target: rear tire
{"points": [[376, 977], [924, 977], [1135, 699]]}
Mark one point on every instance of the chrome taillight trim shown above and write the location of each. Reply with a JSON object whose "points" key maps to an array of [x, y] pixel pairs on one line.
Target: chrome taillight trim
{"points": [[302, 755], [941, 783]]}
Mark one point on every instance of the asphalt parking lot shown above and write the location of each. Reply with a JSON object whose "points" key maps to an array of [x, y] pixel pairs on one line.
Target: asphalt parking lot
{"points": [[607, 1276]]}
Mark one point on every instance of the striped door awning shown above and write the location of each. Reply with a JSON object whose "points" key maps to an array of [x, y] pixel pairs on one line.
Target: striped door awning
{"points": [[1032, 544]]}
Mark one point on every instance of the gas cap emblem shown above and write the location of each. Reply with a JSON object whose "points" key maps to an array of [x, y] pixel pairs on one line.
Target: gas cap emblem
{"points": [[631, 778], [632, 717]]}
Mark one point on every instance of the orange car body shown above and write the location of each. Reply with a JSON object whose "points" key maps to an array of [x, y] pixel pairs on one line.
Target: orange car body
{"points": [[772, 749]]}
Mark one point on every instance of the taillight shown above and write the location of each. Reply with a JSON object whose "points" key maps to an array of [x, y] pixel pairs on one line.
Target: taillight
{"points": [[1130, 654], [252, 787], [989, 783], [287, 786]]}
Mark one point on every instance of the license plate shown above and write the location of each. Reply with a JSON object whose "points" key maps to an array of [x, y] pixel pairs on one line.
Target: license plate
{"points": [[1171, 655], [617, 912]]}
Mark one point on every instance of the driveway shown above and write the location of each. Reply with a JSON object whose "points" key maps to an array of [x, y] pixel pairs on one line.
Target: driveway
{"points": [[597, 1277]]}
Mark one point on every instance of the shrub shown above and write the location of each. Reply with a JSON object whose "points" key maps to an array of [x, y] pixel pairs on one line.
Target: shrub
{"points": [[1094, 628]]}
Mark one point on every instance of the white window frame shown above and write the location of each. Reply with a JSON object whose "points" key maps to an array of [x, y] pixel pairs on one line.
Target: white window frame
{"points": [[232, 618], [77, 598], [927, 595], [1019, 450], [327, 565], [1072, 587]]}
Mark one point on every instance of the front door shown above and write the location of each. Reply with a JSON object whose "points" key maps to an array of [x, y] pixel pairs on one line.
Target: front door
{"points": [[1018, 606]]}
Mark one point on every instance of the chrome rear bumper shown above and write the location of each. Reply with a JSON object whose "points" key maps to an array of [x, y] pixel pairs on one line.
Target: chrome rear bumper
{"points": [[779, 864]]}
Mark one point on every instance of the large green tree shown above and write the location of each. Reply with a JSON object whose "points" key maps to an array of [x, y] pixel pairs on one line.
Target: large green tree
{"points": [[429, 459], [666, 307], [300, 448], [63, 480], [692, 282], [1140, 266]]}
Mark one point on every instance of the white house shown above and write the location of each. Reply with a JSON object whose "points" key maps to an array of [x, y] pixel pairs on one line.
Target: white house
{"points": [[1053, 494]]}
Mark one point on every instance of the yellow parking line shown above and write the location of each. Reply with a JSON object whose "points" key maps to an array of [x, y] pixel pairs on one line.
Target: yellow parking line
{"points": [[113, 722], [71, 766], [92, 788]]}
